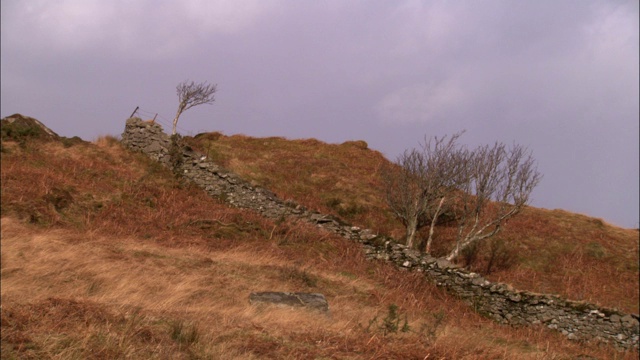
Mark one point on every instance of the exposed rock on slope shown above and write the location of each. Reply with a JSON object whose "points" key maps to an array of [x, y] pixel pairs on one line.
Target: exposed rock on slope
{"points": [[19, 126]]}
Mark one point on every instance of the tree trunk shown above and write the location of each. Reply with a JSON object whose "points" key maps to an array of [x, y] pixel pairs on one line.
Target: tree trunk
{"points": [[455, 252], [461, 246], [175, 120], [412, 228], [433, 225], [175, 124]]}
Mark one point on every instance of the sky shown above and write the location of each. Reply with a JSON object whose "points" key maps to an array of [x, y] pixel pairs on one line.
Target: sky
{"points": [[559, 77]]}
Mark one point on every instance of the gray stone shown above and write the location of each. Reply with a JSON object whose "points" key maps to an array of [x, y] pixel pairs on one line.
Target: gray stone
{"points": [[545, 317], [515, 297], [153, 147], [445, 264], [296, 299], [629, 321]]}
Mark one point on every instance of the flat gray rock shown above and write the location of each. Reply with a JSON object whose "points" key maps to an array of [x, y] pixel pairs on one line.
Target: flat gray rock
{"points": [[296, 299]]}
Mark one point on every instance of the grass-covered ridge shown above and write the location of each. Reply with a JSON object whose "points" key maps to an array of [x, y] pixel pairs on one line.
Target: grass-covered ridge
{"points": [[339, 179], [105, 255]]}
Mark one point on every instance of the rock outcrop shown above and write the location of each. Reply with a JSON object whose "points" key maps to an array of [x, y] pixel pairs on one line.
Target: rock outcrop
{"points": [[313, 301], [19, 126]]}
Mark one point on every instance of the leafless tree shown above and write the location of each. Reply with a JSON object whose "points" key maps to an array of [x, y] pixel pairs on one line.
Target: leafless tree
{"points": [[446, 169], [483, 188], [191, 94], [496, 186], [420, 181], [404, 192]]}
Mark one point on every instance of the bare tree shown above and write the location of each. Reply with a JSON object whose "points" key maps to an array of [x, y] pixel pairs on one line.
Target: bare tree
{"points": [[483, 188], [191, 94], [404, 192], [420, 181], [496, 186], [446, 169]]}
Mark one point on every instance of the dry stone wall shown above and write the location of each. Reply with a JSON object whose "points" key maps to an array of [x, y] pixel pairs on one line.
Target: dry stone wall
{"points": [[577, 320]]}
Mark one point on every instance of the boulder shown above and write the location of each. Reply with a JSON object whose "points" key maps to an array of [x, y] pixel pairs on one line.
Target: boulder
{"points": [[297, 299]]}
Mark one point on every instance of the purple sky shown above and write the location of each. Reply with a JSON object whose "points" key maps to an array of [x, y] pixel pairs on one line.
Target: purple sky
{"points": [[558, 76]]}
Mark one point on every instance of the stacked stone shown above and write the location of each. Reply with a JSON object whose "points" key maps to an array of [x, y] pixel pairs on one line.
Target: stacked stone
{"points": [[147, 137], [576, 320]]}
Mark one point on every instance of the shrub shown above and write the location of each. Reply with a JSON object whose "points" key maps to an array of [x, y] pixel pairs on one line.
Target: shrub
{"points": [[391, 323], [500, 256]]}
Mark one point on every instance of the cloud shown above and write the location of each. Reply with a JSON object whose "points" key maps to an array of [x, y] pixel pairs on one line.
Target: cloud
{"points": [[226, 16], [560, 77], [123, 29], [420, 102]]}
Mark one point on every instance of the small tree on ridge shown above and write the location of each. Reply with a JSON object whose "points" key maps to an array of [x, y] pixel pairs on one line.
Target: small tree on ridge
{"points": [[191, 94]]}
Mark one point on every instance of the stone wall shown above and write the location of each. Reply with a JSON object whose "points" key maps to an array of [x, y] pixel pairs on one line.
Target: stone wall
{"points": [[147, 137], [577, 320]]}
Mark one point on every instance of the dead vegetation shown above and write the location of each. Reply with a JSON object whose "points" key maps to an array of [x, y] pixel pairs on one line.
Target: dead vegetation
{"points": [[540, 247], [106, 255]]}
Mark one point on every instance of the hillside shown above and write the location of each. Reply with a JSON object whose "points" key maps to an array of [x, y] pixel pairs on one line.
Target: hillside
{"points": [[549, 251], [105, 254]]}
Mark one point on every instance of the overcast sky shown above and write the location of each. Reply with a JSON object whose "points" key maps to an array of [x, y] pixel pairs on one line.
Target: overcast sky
{"points": [[558, 76]]}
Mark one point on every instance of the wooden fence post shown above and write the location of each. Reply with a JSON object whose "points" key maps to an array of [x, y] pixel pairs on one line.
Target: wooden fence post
{"points": [[134, 111]]}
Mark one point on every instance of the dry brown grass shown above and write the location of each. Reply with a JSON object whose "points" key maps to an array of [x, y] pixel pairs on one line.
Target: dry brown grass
{"points": [[124, 261], [577, 256], [555, 251], [66, 295], [339, 179]]}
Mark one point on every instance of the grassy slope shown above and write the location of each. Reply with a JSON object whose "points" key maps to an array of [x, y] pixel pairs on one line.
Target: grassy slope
{"points": [[556, 251], [105, 255]]}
